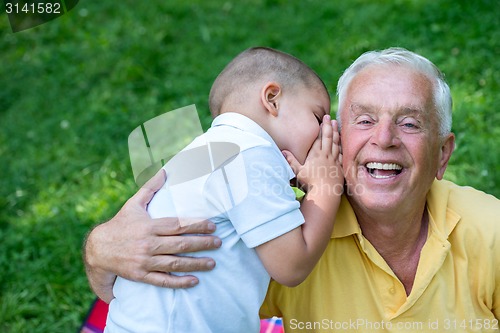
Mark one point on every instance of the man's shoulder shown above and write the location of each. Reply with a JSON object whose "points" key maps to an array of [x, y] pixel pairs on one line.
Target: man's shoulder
{"points": [[473, 206], [466, 198]]}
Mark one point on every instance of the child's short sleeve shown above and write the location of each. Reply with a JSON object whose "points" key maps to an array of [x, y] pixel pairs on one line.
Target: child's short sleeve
{"points": [[253, 191]]}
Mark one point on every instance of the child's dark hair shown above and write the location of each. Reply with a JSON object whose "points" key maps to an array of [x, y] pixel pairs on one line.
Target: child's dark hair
{"points": [[260, 64]]}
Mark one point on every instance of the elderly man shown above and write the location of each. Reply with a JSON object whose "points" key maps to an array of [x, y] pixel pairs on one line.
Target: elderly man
{"points": [[409, 251]]}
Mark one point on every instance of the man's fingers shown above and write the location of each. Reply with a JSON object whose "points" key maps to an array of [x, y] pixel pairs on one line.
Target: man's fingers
{"points": [[166, 263], [168, 226], [166, 280], [146, 192], [183, 244], [157, 181], [161, 266]]}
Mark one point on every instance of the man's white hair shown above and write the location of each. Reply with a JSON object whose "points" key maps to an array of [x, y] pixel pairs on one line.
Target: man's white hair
{"points": [[402, 57]]}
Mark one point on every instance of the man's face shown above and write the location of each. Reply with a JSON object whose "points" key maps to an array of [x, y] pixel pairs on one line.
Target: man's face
{"points": [[390, 143]]}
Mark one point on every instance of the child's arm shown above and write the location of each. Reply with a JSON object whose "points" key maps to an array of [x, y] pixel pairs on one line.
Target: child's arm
{"points": [[292, 256]]}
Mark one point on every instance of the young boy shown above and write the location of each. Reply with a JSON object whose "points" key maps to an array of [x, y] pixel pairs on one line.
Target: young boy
{"points": [[268, 105]]}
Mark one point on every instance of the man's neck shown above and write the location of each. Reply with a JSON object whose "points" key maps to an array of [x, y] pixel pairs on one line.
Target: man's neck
{"points": [[398, 238]]}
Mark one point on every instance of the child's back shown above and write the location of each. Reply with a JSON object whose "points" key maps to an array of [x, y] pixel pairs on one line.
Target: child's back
{"points": [[241, 198]]}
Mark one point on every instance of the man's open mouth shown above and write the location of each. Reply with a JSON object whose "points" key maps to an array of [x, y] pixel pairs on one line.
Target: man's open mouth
{"points": [[383, 170]]}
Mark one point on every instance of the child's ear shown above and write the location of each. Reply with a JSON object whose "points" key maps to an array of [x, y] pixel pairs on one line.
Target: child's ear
{"points": [[270, 97]]}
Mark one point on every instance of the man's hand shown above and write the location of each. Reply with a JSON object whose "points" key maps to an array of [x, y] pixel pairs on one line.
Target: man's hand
{"points": [[136, 247]]}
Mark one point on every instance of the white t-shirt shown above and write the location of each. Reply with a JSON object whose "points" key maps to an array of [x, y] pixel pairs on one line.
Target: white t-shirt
{"points": [[236, 176]]}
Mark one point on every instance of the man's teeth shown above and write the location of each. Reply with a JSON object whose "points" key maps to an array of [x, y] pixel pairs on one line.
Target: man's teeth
{"points": [[383, 170], [383, 166]]}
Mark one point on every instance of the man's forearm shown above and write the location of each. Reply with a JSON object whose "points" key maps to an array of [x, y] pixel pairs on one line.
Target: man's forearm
{"points": [[101, 283], [100, 280]]}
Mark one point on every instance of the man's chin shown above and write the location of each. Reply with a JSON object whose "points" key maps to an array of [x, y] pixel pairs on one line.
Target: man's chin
{"points": [[376, 200]]}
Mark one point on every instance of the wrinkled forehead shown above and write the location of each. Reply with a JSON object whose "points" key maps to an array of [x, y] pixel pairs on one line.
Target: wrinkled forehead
{"points": [[389, 86]]}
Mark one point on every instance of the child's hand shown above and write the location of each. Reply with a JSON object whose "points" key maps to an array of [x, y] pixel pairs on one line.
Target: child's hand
{"points": [[322, 169]]}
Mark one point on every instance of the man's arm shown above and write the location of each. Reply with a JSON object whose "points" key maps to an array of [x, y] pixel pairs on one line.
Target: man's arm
{"points": [[136, 247]]}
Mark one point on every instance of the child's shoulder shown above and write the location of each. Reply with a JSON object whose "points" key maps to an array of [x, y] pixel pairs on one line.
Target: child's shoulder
{"points": [[235, 136]]}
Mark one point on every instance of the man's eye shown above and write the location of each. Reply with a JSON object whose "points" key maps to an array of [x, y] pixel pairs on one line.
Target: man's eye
{"points": [[410, 124], [364, 122]]}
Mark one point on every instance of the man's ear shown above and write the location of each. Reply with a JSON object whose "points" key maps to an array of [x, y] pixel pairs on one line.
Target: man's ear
{"points": [[270, 97], [447, 149]]}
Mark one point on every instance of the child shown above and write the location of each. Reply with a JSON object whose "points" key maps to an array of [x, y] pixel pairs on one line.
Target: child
{"points": [[264, 102]]}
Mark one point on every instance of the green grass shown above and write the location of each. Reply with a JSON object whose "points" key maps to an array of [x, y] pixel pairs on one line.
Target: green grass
{"points": [[74, 88]]}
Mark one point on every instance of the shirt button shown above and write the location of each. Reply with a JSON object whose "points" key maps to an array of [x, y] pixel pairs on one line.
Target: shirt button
{"points": [[392, 290]]}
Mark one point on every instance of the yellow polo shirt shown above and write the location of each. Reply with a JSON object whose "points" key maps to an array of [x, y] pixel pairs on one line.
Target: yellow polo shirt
{"points": [[352, 289]]}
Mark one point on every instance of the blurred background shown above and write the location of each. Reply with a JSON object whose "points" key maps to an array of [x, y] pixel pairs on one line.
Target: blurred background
{"points": [[72, 90]]}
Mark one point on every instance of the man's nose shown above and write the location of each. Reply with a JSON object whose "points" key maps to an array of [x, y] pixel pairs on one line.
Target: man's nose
{"points": [[385, 135]]}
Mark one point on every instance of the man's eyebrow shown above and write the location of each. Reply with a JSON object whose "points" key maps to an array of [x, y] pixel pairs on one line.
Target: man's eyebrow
{"points": [[410, 110], [356, 108]]}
